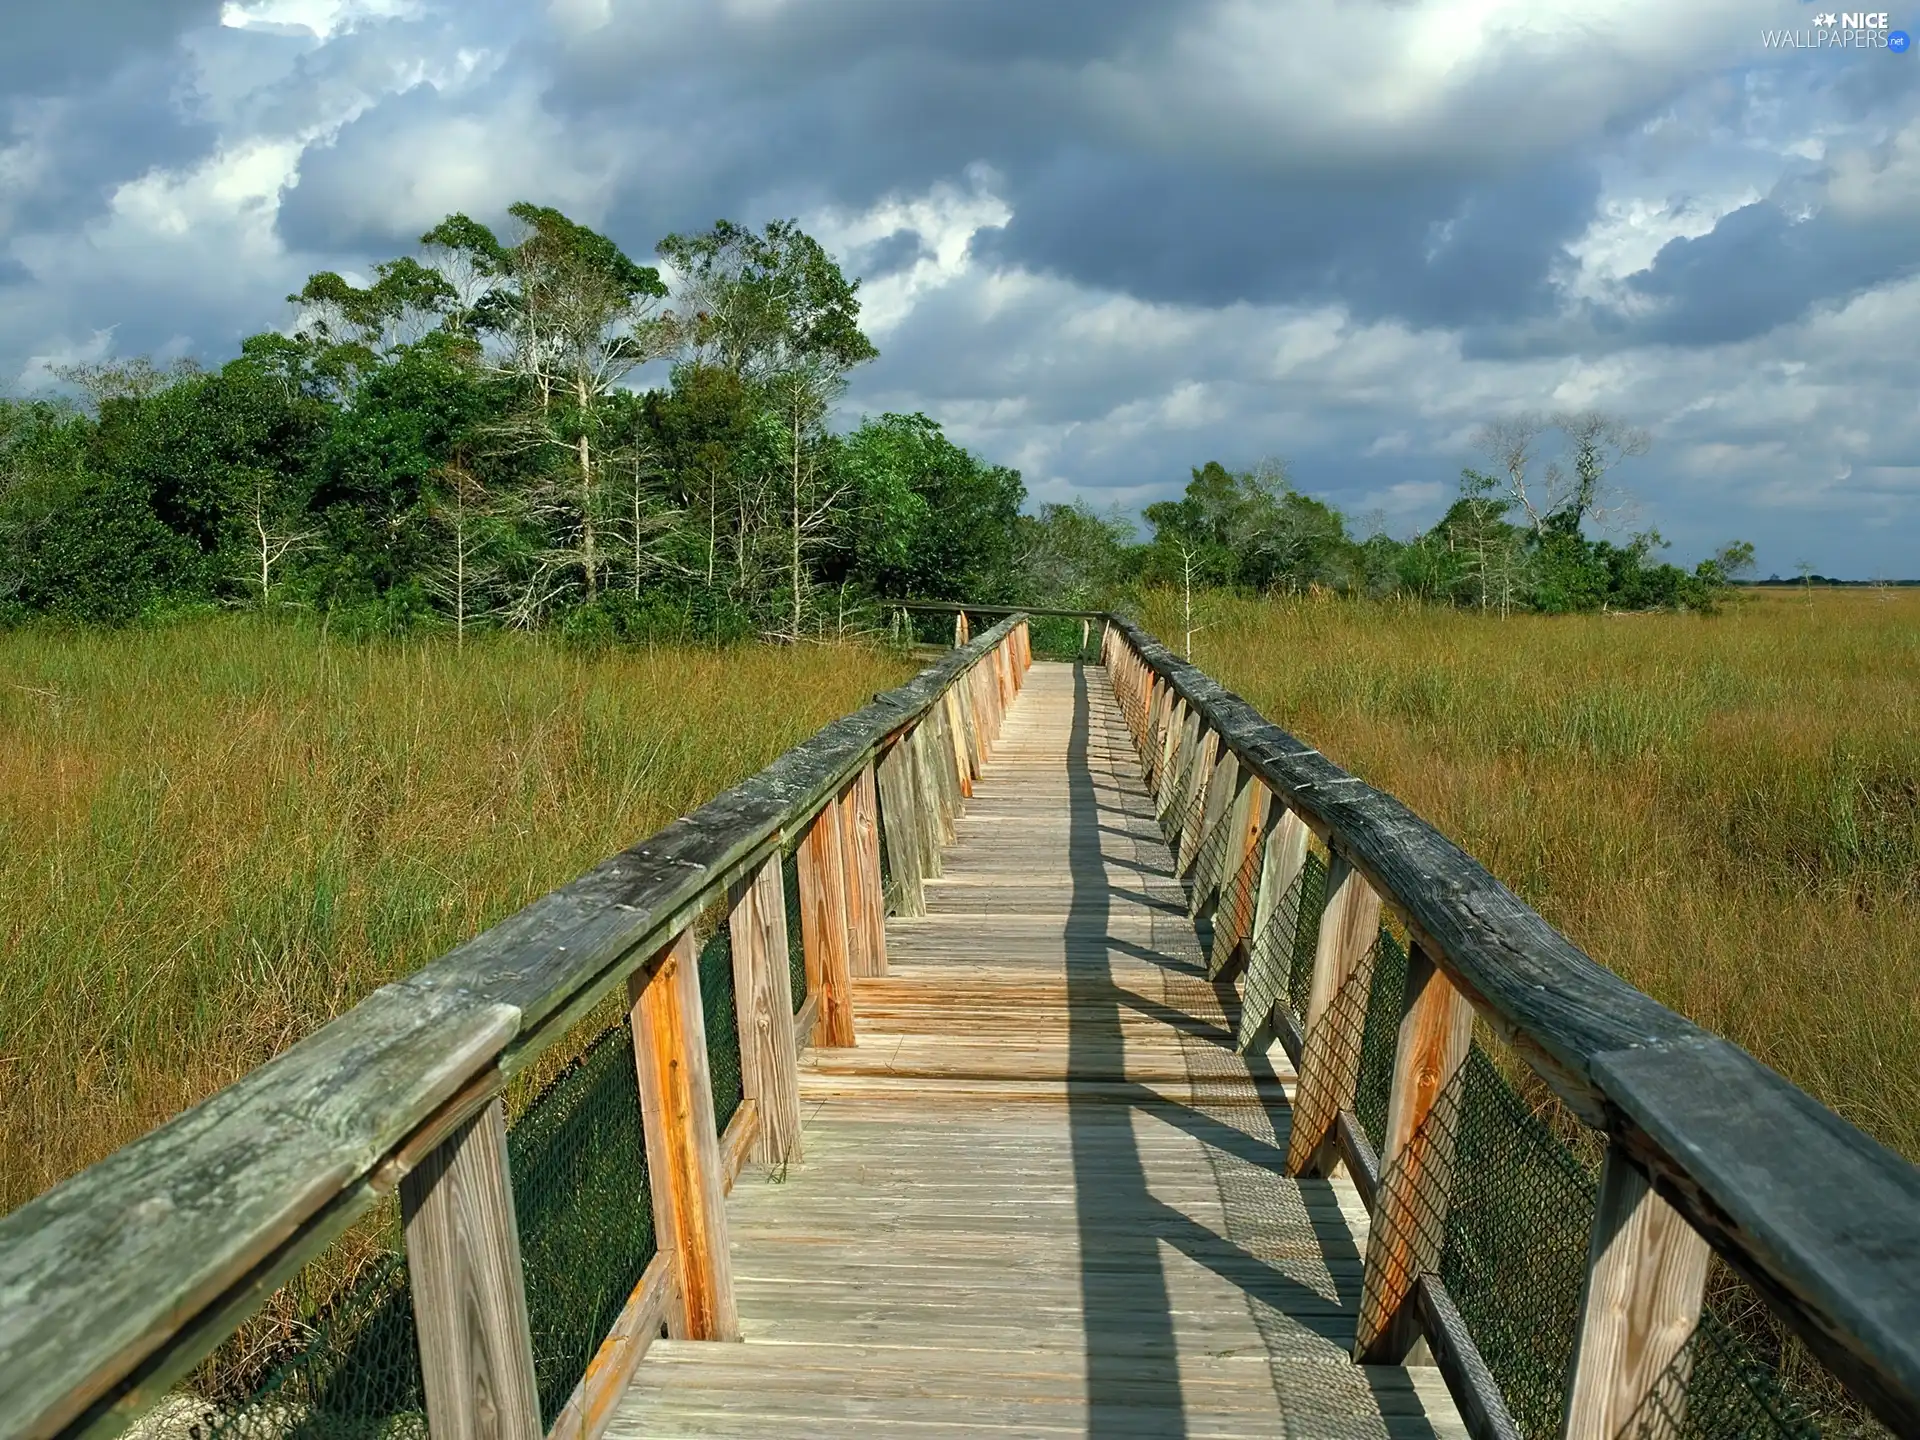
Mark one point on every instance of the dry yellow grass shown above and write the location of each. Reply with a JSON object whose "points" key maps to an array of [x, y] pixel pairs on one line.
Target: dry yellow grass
{"points": [[1725, 810], [213, 838]]}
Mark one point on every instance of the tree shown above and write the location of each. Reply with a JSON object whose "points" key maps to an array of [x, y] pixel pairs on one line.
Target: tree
{"points": [[466, 574], [271, 519], [1073, 557], [568, 317], [925, 519], [775, 310], [1572, 489]]}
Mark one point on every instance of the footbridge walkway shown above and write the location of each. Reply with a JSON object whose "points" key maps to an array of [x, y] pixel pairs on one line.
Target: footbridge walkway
{"points": [[1049, 1048]]}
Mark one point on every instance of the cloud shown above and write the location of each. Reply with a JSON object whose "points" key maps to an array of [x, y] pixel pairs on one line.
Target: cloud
{"points": [[1102, 240]]}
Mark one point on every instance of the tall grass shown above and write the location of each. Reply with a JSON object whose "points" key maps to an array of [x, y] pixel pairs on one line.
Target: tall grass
{"points": [[1725, 810], [214, 838]]}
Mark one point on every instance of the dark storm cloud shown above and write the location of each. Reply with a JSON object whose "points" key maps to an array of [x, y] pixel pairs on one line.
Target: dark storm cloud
{"points": [[51, 46], [1447, 250], [1760, 268], [113, 130], [323, 211], [889, 254]]}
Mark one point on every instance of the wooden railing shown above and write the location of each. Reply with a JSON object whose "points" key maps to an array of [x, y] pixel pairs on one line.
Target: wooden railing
{"points": [[114, 1284], [1706, 1149]]}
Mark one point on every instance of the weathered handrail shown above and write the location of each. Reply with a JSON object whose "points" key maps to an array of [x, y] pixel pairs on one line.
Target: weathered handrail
{"points": [[117, 1281], [1820, 1218]]}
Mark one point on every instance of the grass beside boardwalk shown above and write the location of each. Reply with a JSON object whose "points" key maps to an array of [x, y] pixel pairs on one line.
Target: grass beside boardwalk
{"points": [[1725, 810], [215, 837]]}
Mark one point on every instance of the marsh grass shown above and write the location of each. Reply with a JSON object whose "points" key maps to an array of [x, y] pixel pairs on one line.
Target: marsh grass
{"points": [[1725, 810], [216, 837]]}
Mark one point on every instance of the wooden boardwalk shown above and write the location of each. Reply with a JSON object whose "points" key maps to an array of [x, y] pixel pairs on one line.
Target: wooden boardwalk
{"points": [[1042, 1196]]}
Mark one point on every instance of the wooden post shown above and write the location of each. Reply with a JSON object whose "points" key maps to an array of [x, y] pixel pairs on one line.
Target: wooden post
{"points": [[823, 928], [1268, 965], [1330, 1036], [1285, 858], [1151, 743], [1173, 741], [684, 1169], [859, 935], [1416, 1160], [1086, 634], [763, 1009], [866, 905], [957, 737], [1186, 745], [1646, 1279], [469, 1300], [1240, 871], [936, 820], [1197, 788], [1224, 787], [901, 828]]}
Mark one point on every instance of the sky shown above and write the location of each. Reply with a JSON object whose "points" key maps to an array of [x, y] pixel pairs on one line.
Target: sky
{"points": [[1102, 241]]}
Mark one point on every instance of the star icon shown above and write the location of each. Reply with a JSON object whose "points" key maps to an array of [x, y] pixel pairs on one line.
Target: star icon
{"points": [[1824, 19]]}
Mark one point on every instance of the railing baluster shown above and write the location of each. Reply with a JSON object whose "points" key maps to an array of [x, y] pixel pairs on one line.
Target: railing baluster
{"points": [[1285, 857], [866, 906], [957, 738], [936, 820], [1193, 796], [1330, 1032], [1173, 749], [1223, 793], [469, 1296], [1646, 1279], [763, 1010], [684, 1169], [1239, 875], [1186, 743], [901, 827], [823, 927], [1409, 1214]]}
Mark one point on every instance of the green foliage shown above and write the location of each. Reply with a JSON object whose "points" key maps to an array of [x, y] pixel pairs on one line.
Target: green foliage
{"points": [[926, 519], [454, 443], [1073, 558]]}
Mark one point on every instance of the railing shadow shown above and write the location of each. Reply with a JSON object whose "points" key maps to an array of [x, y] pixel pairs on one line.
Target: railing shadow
{"points": [[1235, 1109], [1132, 1352]]}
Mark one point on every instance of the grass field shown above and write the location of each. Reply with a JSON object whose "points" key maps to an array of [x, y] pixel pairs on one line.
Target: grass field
{"points": [[215, 837], [1725, 810]]}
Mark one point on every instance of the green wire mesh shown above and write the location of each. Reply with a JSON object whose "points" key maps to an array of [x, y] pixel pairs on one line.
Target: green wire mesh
{"points": [[1211, 851], [796, 945], [1184, 816], [1233, 914], [1715, 1387], [1306, 933], [1514, 1252], [1380, 1035], [343, 1361], [886, 860], [1059, 637], [723, 1028], [578, 1158], [343, 1365], [1270, 959]]}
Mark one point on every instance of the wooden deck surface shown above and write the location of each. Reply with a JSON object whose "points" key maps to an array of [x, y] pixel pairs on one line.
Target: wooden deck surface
{"points": [[1042, 1196]]}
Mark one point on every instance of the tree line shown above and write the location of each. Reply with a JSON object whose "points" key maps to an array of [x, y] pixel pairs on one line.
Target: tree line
{"points": [[459, 443], [1514, 538]]}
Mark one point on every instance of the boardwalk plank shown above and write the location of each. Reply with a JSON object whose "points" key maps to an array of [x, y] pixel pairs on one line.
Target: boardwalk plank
{"points": [[1043, 1196]]}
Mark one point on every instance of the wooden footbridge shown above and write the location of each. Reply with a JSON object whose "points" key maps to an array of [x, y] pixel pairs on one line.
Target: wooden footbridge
{"points": [[1046, 1049]]}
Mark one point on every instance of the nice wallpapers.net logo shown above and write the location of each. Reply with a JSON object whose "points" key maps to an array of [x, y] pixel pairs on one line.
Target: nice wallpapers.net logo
{"points": [[1842, 30]]}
